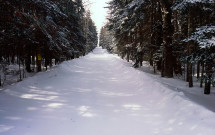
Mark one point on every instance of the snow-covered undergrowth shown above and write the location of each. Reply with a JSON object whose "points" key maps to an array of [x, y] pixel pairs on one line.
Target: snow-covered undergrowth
{"points": [[99, 94]]}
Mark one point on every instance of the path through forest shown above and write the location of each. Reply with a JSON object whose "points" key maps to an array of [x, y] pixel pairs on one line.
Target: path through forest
{"points": [[99, 94]]}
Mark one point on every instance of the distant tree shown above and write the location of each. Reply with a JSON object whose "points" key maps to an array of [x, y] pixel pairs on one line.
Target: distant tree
{"points": [[90, 33], [106, 39]]}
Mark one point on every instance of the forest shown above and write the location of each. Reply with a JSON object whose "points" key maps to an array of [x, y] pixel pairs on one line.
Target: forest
{"points": [[176, 37], [35, 33], [149, 70]]}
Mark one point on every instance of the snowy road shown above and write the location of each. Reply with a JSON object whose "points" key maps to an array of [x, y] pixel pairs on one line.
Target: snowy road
{"points": [[99, 94]]}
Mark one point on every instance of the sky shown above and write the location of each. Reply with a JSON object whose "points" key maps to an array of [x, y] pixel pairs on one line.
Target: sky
{"points": [[98, 12]]}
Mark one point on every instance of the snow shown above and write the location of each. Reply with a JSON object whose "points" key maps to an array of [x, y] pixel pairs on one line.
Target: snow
{"points": [[200, 1], [204, 36], [178, 84], [99, 94], [136, 4], [186, 3]]}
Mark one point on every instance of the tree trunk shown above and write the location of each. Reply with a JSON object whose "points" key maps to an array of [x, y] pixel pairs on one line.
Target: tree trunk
{"points": [[202, 74], [46, 63], [162, 68], [50, 62], [39, 58], [128, 55], [190, 50], [193, 70], [177, 68], [198, 69], [176, 37], [151, 58], [28, 60], [190, 77], [207, 89], [20, 72], [158, 65], [187, 75], [152, 38], [33, 61], [141, 59], [28, 63], [13, 58], [167, 38]]}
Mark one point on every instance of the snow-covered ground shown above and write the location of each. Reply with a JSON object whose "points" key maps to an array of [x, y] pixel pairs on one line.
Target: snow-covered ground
{"points": [[178, 84], [99, 94]]}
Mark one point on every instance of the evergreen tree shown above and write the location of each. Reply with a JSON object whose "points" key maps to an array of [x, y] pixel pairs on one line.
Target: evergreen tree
{"points": [[90, 33], [42, 29], [155, 30], [106, 39], [204, 36]]}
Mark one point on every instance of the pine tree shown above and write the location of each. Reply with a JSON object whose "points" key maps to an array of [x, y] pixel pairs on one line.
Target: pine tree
{"points": [[106, 39], [42, 29]]}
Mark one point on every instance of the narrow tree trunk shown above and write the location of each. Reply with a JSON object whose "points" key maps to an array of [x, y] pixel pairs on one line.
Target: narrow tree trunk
{"points": [[50, 62], [202, 74], [190, 49], [46, 62], [208, 79], [162, 68], [128, 55], [176, 37], [190, 75], [23, 72], [28, 62], [151, 58], [207, 88], [141, 59], [193, 70], [39, 58], [33, 60], [13, 58], [152, 21], [158, 63], [198, 69], [20, 72], [187, 73]]}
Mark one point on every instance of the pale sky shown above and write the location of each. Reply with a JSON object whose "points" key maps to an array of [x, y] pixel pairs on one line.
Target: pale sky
{"points": [[98, 12]]}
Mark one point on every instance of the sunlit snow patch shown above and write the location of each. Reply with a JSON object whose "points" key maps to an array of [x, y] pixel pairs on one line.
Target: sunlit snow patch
{"points": [[133, 107], [84, 111], [4, 128]]}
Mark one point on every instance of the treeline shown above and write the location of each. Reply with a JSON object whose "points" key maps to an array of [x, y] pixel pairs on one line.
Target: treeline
{"points": [[177, 37], [32, 31], [106, 39]]}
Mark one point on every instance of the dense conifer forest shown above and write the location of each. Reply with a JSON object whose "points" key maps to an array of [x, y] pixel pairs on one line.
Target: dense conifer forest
{"points": [[149, 70], [36, 32], [177, 37]]}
